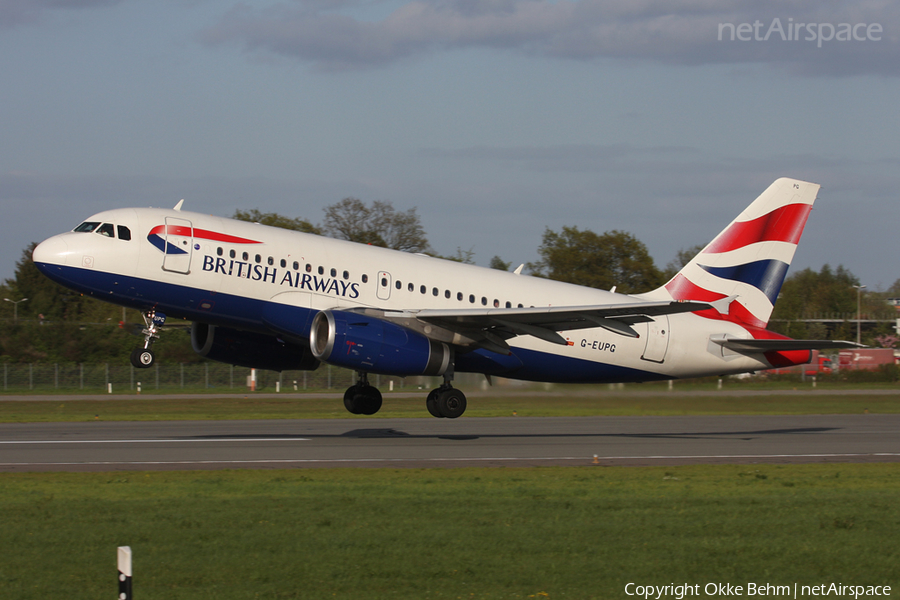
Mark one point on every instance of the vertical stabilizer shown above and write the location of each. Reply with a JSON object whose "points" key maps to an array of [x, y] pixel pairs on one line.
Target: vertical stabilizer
{"points": [[749, 259]]}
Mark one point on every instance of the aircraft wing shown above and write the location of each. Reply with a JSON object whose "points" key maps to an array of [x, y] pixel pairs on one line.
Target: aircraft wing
{"points": [[751, 345], [490, 327]]}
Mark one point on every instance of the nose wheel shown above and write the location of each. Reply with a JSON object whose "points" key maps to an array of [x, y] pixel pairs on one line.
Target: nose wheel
{"points": [[144, 357]]}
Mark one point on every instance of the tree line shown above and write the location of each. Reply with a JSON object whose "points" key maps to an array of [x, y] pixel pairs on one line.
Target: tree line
{"points": [[55, 324]]}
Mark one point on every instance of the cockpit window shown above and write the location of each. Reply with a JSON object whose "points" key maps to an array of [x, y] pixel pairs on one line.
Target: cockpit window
{"points": [[107, 229], [124, 233], [86, 227]]}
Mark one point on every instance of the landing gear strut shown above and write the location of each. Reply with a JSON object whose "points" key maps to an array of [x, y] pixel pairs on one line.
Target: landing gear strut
{"points": [[143, 357], [362, 398]]}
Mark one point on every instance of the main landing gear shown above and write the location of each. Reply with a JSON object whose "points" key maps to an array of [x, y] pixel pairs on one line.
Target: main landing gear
{"points": [[143, 357], [362, 398], [442, 402]]}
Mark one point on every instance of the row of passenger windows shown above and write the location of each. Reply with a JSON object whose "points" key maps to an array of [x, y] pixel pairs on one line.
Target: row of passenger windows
{"points": [[411, 287], [105, 229], [245, 256]]}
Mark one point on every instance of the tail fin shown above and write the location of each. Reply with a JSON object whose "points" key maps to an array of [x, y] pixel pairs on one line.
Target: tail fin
{"points": [[750, 258]]}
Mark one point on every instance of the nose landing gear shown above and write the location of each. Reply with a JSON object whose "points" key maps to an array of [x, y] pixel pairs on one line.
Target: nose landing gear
{"points": [[144, 357]]}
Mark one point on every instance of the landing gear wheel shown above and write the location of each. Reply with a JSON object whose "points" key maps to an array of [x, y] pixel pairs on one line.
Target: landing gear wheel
{"points": [[431, 403], [451, 403], [350, 402], [362, 400], [143, 358]]}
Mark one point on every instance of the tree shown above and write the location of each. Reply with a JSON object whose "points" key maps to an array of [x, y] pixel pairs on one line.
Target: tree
{"points": [[614, 258], [378, 225], [684, 256], [276, 220], [499, 264], [826, 294]]}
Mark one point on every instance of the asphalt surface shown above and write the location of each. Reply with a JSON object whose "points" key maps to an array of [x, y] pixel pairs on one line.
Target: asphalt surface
{"points": [[426, 442]]}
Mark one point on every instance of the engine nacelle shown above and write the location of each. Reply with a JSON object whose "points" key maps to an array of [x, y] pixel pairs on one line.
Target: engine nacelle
{"points": [[369, 344], [248, 349]]}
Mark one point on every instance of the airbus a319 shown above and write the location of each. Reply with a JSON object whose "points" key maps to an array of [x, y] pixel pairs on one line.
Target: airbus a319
{"points": [[276, 299]]}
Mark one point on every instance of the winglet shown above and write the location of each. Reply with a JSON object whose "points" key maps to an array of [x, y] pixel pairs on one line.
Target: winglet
{"points": [[179, 205]]}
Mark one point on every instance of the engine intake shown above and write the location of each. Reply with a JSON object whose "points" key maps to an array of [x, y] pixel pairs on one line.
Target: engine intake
{"points": [[248, 349], [370, 344]]}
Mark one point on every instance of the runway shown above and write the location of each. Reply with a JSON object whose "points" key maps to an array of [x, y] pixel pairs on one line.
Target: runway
{"points": [[427, 442]]}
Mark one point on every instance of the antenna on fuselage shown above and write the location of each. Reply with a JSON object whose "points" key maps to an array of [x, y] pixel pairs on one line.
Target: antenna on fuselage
{"points": [[180, 203]]}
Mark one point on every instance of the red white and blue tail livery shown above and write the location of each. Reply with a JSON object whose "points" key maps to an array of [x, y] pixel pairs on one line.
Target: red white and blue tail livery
{"points": [[276, 299]]}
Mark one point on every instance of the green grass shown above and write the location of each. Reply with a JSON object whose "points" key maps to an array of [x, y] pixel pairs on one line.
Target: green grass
{"points": [[577, 532], [576, 402]]}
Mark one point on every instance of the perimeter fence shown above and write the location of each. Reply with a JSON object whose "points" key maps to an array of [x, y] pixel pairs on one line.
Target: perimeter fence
{"points": [[88, 378]]}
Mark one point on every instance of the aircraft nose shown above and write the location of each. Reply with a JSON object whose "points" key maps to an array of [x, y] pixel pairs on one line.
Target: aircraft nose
{"points": [[51, 252]]}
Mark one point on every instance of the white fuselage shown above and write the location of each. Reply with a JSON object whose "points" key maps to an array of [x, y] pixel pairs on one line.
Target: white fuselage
{"points": [[232, 273]]}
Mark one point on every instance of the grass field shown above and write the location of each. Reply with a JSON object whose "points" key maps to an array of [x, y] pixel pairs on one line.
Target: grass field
{"points": [[569, 402], [463, 533]]}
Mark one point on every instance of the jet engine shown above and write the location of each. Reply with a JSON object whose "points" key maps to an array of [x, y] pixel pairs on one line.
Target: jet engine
{"points": [[373, 345], [248, 349]]}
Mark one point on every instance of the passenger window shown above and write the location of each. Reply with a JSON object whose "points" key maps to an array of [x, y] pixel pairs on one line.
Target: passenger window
{"points": [[472, 298], [434, 291], [334, 272], [459, 296], [347, 276], [483, 301], [446, 293], [423, 289], [232, 253], [321, 270], [296, 266], [398, 285], [410, 287], [218, 250], [509, 305], [283, 263], [107, 230], [245, 256], [365, 278], [124, 233]]}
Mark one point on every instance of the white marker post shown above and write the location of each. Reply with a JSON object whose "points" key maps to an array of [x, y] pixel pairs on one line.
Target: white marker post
{"points": [[125, 573]]}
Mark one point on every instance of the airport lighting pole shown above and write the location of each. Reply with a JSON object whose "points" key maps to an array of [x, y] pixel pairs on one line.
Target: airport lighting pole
{"points": [[16, 308], [859, 289]]}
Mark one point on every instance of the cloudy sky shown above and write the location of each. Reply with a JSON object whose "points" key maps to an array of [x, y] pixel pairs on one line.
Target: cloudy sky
{"points": [[495, 118]]}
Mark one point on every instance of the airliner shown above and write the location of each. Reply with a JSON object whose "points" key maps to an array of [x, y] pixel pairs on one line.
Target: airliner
{"points": [[275, 299]]}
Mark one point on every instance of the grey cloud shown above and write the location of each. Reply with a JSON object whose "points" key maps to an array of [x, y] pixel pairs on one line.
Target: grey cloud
{"points": [[23, 12], [667, 31]]}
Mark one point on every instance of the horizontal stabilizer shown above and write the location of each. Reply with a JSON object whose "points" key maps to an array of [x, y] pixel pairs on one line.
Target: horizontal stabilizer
{"points": [[781, 345]]}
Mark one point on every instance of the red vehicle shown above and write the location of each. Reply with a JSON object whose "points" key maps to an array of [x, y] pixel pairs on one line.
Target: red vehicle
{"points": [[866, 359]]}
